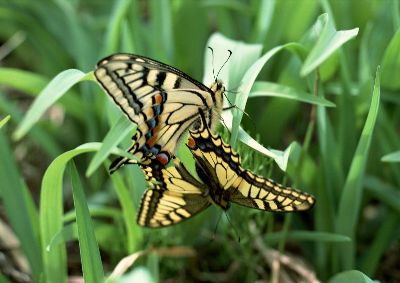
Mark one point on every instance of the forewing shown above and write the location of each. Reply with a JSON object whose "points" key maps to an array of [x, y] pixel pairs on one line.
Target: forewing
{"points": [[160, 99]]}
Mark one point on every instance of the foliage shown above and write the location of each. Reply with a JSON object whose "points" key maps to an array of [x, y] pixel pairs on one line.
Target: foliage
{"points": [[306, 73]]}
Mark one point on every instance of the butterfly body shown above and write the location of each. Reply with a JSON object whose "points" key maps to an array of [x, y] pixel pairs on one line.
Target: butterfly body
{"points": [[162, 100], [178, 195]]}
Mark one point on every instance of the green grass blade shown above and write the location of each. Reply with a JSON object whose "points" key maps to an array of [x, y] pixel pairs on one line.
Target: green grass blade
{"points": [[18, 207], [278, 90], [385, 193], [384, 236], [89, 250], [114, 28], [38, 135], [122, 128], [391, 157], [4, 121], [328, 42], [32, 83], [313, 236], [134, 233], [51, 212], [50, 94], [349, 205], [391, 64]]}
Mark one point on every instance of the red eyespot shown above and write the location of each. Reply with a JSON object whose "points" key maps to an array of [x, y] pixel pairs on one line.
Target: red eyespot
{"points": [[163, 158], [191, 143]]}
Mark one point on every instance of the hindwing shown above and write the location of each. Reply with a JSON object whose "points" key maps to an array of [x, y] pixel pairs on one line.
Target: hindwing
{"points": [[176, 197], [215, 159]]}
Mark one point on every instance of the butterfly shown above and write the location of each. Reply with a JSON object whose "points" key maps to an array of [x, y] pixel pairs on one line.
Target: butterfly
{"points": [[162, 100], [175, 194]]}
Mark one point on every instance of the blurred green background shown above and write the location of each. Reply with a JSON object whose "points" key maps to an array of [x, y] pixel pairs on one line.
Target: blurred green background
{"points": [[347, 155]]}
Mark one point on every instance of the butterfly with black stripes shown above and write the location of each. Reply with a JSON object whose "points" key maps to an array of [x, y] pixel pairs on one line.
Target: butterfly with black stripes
{"points": [[175, 194], [162, 100]]}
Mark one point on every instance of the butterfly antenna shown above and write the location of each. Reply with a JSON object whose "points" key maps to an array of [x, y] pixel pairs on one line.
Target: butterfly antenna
{"points": [[234, 228], [212, 56], [227, 59], [216, 227]]}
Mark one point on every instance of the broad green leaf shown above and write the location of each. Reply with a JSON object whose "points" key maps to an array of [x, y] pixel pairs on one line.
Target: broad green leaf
{"points": [[328, 42], [391, 64], [122, 128], [350, 201], [92, 268], [278, 90], [245, 86], [351, 276], [391, 157], [243, 56], [17, 203], [49, 95], [4, 121]]}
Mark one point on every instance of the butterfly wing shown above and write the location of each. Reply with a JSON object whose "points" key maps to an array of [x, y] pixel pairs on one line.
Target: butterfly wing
{"points": [[176, 197], [162, 100], [216, 159]]}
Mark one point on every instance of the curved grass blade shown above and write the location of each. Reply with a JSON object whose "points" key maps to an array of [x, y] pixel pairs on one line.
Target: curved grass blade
{"points": [[328, 42], [278, 90], [32, 83], [122, 128], [51, 213], [49, 95], [92, 268]]}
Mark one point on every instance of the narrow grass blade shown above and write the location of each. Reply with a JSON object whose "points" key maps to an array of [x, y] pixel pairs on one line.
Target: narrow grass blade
{"points": [[133, 232], [383, 237], [278, 90], [313, 236], [89, 250], [391, 64], [18, 207], [351, 276], [349, 205], [122, 128], [38, 135], [32, 83], [392, 157], [113, 34], [328, 42], [50, 94], [51, 212], [385, 193], [4, 121]]}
